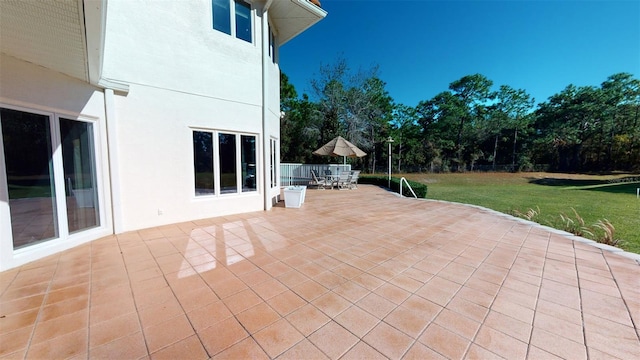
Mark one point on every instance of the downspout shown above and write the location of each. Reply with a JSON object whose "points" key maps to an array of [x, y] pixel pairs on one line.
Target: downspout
{"points": [[114, 163], [266, 139]]}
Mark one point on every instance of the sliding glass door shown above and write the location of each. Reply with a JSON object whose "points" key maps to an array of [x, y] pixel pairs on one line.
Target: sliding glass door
{"points": [[41, 151]]}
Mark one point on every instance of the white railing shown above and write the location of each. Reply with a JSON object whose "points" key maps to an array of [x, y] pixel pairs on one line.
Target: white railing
{"points": [[409, 186], [300, 174]]}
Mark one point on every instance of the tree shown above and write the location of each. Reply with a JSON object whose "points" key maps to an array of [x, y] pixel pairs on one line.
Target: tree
{"points": [[511, 108], [473, 91], [355, 105]]}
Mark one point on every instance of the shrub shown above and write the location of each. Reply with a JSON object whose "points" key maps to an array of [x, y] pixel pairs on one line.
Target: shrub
{"points": [[383, 181]]}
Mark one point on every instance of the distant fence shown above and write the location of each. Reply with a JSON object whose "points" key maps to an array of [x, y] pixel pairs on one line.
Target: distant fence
{"points": [[300, 174]]}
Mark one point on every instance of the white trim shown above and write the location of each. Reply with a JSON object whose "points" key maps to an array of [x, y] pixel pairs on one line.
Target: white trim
{"points": [[9, 257]]}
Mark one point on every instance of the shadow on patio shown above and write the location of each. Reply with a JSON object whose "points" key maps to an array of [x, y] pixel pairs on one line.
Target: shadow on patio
{"points": [[351, 274]]}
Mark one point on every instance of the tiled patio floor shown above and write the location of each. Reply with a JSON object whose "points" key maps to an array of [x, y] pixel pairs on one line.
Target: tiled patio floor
{"points": [[351, 274]]}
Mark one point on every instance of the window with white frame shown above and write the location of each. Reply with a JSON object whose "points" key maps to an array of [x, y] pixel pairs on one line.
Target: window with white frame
{"points": [[224, 163], [52, 194], [233, 17]]}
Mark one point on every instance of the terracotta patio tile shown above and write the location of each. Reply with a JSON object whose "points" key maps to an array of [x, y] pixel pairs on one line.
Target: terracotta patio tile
{"points": [[333, 340], [376, 305], [331, 304], [537, 353], [368, 281], [309, 290], [21, 304], [196, 299], [514, 310], [357, 321], [168, 332], [308, 319], [11, 322], [559, 312], [120, 306], [222, 335], [208, 315], [63, 347], [13, 341], [286, 302], [112, 329], [155, 314], [351, 291], [439, 290], [422, 352], [47, 330], [13, 293], [388, 340], [242, 301], [457, 323], [278, 337], [303, 350], [392, 293], [363, 351], [269, 289], [425, 308], [255, 277], [559, 327], [228, 287], [245, 349], [406, 282], [558, 345], [500, 343], [292, 278], [479, 353], [444, 342], [257, 317], [508, 325], [153, 297], [469, 309], [128, 347], [410, 322]]}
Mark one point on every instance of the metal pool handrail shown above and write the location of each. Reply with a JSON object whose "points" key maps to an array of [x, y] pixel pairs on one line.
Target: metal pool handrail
{"points": [[409, 186]]}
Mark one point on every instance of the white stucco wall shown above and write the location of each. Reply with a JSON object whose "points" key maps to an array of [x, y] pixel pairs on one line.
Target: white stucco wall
{"points": [[183, 74], [172, 45], [33, 88], [155, 148]]}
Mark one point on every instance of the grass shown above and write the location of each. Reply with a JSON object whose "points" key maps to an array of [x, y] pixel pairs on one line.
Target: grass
{"points": [[552, 196]]}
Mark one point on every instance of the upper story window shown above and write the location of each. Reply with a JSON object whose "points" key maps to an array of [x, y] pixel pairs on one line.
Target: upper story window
{"points": [[233, 17]]}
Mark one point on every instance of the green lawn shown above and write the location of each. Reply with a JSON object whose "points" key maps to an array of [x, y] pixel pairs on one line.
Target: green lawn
{"points": [[611, 197]]}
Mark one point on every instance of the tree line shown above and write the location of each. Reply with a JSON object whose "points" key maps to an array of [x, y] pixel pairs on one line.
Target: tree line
{"points": [[472, 125]]}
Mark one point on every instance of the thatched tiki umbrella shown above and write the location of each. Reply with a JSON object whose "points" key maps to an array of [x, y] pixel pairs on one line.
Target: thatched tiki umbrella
{"points": [[340, 147]]}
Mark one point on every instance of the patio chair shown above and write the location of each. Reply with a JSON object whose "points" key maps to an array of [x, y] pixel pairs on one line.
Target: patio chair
{"points": [[353, 184], [318, 181], [343, 181]]}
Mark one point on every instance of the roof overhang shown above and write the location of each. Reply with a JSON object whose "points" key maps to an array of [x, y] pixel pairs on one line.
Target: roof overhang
{"points": [[66, 36], [292, 17]]}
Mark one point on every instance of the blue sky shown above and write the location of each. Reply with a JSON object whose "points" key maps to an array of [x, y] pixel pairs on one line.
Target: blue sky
{"points": [[421, 46]]}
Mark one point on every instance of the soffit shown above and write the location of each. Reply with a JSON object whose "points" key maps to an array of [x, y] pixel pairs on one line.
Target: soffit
{"points": [[45, 32], [292, 17]]}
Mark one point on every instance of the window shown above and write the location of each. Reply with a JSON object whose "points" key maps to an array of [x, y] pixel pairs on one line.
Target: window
{"points": [[224, 163], [272, 163], [51, 194], [238, 25], [272, 45]]}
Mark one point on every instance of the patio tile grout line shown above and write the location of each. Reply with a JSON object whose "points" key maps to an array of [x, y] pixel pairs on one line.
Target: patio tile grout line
{"points": [[475, 336], [584, 328], [535, 311], [40, 308], [637, 331]]}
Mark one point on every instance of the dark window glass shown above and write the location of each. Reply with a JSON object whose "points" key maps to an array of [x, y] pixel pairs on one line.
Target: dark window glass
{"points": [[203, 162], [222, 16], [248, 163], [30, 180], [79, 174], [243, 21], [228, 174]]}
